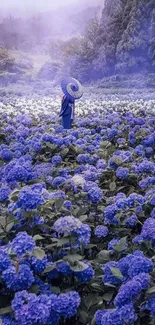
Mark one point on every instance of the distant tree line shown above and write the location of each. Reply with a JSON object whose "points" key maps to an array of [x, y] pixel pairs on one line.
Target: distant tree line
{"points": [[123, 41]]}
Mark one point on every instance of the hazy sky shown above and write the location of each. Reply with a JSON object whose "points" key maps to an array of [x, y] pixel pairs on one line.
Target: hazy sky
{"points": [[40, 4]]}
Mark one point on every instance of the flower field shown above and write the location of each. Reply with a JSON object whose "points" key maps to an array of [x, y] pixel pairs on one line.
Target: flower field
{"points": [[77, 213]]}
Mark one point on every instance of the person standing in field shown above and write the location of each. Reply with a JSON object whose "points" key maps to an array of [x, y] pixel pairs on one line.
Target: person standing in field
{"points": [[72, 90]]}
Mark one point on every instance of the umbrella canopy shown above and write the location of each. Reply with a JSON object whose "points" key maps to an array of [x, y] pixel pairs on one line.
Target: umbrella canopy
{"points": [[72, 88]]}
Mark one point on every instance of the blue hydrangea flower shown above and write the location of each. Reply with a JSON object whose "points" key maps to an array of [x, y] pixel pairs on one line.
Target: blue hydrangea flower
{"points": [[101, 231], [84, 234], [127, 313], [64, 268], [101, 164], [108, 275], [8, 320], [30, 198], [56, 160], [131, 221], [150, 305], [85, 275], [73, 226], [37, 265], [99, 315], [122, 172], [84, 159], [112, 317], [148, 229], [5, 261], [95, 194], [18, 280], [110, 214], [68, 304], [140, 264], [22, 244], [68, 205], [125, 262], [4, 193], [58, 181], [132, 289], [6, 155], [112, 244], [17, 173], [67, 225], [30, 309]]}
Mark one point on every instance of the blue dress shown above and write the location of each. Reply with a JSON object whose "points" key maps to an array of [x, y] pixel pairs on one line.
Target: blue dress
{"points": [[67, 112]]}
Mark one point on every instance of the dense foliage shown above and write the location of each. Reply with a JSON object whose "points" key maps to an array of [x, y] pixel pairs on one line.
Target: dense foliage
{"points": [[121, 42], [77, 219]]}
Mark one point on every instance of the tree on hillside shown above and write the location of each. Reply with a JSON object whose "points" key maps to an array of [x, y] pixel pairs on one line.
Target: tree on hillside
{"points": [[6, 61], [109, 34], [151, 48], [132, 49]]}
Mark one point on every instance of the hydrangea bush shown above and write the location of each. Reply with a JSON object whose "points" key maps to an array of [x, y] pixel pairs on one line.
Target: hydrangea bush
{"points": [[77, 222]]}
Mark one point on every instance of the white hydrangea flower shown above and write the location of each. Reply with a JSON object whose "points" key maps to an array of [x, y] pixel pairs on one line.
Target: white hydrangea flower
{"points": [[78, 180]]}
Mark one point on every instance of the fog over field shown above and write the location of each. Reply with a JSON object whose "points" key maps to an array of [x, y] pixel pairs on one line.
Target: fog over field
{"points": [[27, 6]]}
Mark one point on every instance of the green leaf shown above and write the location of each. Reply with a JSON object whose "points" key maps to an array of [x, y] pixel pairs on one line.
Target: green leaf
{"points": [[49, 204], [112, 186], [3, 222], [151, 290], [76, 211], [83, 194], [96, 286], [9, 226], [90, 246], [101, 208], [116, 272], [14, 195], [38, 253], [27, 214], [50, 146], [59, 203], [83, 218], [34, 289], [38, 237], [73, 258], [93, 322], [109, 285], [121, 246], [56, 290], [49, 269], [35, 181], [6, 310], [82, 210], [62, 241], [83, 316], [104, 255], [105, 144], [79, 266], [64, 152], [108, 296], [91, 300]]}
